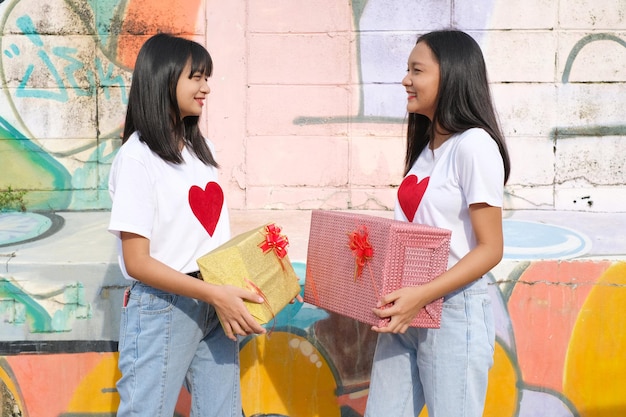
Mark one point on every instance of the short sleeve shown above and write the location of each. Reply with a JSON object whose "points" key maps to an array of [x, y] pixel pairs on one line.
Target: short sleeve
{"points": [[480, 169], [130, 187]]}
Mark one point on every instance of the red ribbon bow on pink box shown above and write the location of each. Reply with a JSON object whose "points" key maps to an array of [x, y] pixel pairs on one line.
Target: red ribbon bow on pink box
{"points": [[361, 249]]}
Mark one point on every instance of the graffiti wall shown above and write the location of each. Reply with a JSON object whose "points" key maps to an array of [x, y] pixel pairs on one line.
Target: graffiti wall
{"points": [[318, 84], [560, 352], [65, 70], [307, 111]]}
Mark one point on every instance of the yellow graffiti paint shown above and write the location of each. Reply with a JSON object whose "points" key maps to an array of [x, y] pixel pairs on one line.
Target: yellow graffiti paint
{"points": [[503, 395], [595, 366], [8, 381], [285, 374], [96, 392]]}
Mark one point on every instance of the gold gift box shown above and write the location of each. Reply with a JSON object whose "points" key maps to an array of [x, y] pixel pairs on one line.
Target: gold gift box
{"points": [[257, 261]]}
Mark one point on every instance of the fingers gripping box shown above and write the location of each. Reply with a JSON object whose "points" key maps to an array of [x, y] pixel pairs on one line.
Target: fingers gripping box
{"points": [[257, 261], [354, 259]]}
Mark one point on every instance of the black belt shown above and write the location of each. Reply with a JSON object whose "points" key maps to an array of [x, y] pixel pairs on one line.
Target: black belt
{"points": [[195, 274]]}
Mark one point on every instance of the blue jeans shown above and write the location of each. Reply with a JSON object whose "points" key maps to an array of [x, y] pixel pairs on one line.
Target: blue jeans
{"points": [[166, 341], [445, 369]]}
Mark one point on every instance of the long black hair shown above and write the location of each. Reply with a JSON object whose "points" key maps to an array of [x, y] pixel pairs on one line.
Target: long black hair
{"points": [[464, 99], [152, 105]]}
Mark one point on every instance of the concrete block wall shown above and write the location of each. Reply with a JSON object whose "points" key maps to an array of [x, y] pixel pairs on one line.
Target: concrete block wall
{"points": [[307, 112], [334, 87], [307, 109]]}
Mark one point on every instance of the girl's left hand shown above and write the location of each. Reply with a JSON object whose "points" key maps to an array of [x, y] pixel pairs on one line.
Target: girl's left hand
{"points": [[402, 307]]}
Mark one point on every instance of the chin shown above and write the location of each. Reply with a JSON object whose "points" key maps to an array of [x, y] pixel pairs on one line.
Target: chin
{"points": [[412, 109]]}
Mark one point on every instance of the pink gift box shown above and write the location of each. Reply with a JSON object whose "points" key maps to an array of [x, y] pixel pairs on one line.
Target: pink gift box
{"points": [[354, 259]]}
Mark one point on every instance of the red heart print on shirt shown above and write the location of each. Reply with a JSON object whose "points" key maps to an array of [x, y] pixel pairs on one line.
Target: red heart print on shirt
{"points": [[410, 195], [206, 204]]}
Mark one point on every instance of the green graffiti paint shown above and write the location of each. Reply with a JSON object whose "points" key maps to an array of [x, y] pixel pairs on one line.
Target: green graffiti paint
{"points": [[36, 315], [581, 44], [25, 165]]}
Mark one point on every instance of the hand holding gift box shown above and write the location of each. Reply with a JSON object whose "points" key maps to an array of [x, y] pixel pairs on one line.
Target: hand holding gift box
{"points": [[257, 261], [353, 260]]}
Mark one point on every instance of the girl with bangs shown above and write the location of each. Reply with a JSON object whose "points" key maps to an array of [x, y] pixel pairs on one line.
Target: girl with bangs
{"points": [[168, 209]]}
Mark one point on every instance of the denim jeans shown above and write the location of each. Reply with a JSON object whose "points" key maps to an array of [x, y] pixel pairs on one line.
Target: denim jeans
{"points": [[445, 369], [166, 341]]}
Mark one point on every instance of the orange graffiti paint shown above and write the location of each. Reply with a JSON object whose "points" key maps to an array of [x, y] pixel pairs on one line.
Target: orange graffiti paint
{"points": [[50, 374], [144, 18], [544, 306]]}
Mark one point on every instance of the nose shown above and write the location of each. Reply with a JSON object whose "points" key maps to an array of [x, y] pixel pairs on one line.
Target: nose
{"points": [[205, 87], [406, 80]]}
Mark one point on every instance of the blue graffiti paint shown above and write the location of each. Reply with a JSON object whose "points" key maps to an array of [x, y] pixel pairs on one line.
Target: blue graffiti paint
{"points": [[67, 54], [106, 12], [22, 90], [107, 80], [60, 177], [18, 227], [526, 240], [298, 315], [15, 51], [27, 26], [74, 66]]}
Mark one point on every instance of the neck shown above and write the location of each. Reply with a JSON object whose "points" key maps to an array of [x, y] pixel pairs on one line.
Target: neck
{"points": [[438, 139]]}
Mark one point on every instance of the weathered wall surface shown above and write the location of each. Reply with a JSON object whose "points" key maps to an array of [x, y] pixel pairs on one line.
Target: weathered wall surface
{"points": [[307, 112], [558, 300], [307, 106]]}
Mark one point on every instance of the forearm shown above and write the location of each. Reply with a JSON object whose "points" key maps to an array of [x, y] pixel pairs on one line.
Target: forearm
{"points": [[471, 267], [227, 300], [143, 267], [158, 275]]}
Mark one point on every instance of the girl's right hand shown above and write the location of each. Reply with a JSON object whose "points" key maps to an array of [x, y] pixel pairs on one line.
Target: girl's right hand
{"points": [[232, 312], [402, 306]]}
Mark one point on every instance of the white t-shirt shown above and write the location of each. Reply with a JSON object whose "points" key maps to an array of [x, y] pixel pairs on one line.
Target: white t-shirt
{"points": [[438, 190], [180, 208]]}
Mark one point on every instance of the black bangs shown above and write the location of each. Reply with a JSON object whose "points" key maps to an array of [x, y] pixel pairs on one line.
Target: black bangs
{"points": [[200, 60]]}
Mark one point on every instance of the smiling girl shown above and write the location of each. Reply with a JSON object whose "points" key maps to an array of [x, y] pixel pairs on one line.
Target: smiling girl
{"points": [[168, 210], [456, 152]]}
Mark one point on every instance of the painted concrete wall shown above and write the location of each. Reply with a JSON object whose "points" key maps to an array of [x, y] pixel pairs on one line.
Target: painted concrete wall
{"points": [[307, 112], [558, 298], [307, 108]]}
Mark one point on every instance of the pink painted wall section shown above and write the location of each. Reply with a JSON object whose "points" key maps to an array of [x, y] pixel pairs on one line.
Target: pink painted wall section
{"points": [[304, 95]]}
